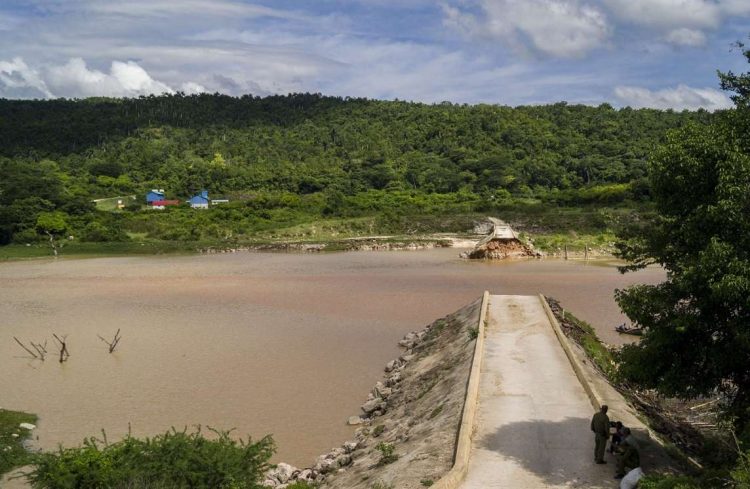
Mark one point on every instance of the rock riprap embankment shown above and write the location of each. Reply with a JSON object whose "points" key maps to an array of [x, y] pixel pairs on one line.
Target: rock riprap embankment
{"points": [[406, 431]]}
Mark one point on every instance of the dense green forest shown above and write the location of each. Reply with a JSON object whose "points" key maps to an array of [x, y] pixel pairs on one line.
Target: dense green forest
{"points": [[283, 160]]}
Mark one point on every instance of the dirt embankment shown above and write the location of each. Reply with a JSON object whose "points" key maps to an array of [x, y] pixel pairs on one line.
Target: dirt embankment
{"points": [[354, 244], [410, 420]]}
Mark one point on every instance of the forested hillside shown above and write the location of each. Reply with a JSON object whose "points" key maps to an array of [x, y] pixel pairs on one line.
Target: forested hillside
{"points": [[282, 155]]}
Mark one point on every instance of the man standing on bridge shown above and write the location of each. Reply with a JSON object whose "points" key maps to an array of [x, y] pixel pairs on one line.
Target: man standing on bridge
{"points": [[600, 427]]}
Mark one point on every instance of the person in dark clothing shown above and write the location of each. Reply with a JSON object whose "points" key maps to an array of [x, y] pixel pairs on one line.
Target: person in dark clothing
{"points": [[600, 427], [617, 437], [630, 457]]}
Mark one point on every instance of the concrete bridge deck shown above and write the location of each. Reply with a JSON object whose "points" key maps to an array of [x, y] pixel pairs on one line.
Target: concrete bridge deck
{"points": [[532, 426]]}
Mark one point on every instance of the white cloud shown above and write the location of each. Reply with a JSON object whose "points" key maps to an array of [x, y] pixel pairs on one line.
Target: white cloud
{"points": [[561, 28], [163, 8], [75, 79], [125, 79], [683, 22], [191, 88], [735, 7], [686, 37], [669, 14], [18, 80], [679, 98]]}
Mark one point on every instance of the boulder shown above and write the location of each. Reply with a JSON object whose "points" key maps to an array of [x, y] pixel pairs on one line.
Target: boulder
{"points": [[354, 420], [307, 475], [336, 452], [344, 460], [283, 472], [393, 379], [392, 365], [350, 446], [381, 391], [408, 340], [373, 405], [324, 465]]}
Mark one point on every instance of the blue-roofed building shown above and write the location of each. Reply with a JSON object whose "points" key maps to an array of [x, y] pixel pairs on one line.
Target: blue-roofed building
{"points": [[199, 201], [154, 195]]}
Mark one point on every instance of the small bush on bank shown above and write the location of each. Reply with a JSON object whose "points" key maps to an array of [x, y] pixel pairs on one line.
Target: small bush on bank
{"points": [[387, 454], [300, 485], [174, 460]]}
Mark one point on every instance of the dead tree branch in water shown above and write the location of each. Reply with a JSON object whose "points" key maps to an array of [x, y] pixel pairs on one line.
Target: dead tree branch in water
{"points": [[34, 355], [112, 344], [63, 347], [40, 349]]}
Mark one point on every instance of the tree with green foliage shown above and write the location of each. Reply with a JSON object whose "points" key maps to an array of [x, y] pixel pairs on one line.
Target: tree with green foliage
{"points": [[696, 340], [54, 225]]}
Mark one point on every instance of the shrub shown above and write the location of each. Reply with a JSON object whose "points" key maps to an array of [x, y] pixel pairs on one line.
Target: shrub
{"points": [[300, 485], [741, 472], [386, 453], [175, 460]]}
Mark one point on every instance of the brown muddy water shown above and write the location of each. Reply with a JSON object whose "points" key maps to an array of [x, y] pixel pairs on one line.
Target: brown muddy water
{"points": [[286, 344]]}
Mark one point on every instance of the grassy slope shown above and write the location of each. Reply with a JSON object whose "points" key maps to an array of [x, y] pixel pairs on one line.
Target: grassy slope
{"points": [[12, 452]]}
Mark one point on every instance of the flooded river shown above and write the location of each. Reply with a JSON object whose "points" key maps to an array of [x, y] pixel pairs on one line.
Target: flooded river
{"points": [[287, 344]]}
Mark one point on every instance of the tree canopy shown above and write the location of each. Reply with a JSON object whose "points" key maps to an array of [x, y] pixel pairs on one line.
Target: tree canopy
{"points": [[697, 336], [336, 155]]}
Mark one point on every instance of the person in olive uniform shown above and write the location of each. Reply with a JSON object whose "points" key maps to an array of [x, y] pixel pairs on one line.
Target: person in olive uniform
{"points": [[600, 427], [630, 456]]}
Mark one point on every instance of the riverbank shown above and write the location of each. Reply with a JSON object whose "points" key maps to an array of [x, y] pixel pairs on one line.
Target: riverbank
{"points": [[552, 230], [573, 246], [15, 429]]}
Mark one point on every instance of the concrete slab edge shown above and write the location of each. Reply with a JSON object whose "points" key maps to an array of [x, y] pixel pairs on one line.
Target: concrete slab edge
{"points": [[453, 478]]}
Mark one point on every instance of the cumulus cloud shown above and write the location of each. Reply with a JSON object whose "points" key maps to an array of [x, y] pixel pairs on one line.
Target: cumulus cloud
{"points": [[18, 80], [76, 79], [680, 97], [125, 79], [561, 28]]}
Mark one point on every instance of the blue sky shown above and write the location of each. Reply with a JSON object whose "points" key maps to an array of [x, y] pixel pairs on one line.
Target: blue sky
{"points": [[652, 53]]}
